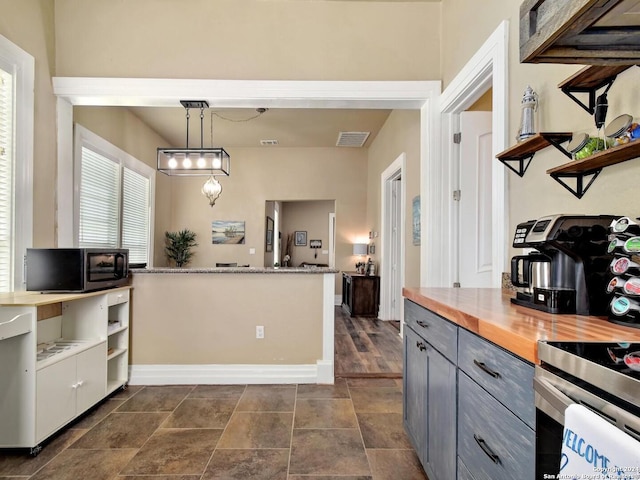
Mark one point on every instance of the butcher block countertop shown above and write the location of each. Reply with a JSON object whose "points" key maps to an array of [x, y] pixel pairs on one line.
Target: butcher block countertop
{"points": [[489, 313]]}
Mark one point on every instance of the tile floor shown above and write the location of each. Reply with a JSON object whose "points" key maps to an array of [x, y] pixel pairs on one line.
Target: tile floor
{"points": [[348, 431]]}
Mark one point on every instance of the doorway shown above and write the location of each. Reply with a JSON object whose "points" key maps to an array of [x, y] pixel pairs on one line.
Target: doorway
{"points": [[392, 237]]}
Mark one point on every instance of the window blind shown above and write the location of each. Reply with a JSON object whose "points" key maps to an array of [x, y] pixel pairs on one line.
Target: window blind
{"points": [[99, 200], [6, 179], [135, 216]]}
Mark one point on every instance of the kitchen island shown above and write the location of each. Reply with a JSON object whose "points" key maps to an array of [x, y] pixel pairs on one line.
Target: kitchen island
{"points": [[469, 358], [201, 325]]}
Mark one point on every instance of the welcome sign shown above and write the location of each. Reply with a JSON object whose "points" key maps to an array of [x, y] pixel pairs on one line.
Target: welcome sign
{"points": [[592, 448]]}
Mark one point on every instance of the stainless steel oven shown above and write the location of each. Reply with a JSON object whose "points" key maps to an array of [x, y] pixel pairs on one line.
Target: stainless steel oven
{"points": [[592, 374]]}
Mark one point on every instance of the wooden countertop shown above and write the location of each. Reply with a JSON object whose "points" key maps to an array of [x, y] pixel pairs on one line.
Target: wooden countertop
{"points": [[37, 299], [489, 313]]}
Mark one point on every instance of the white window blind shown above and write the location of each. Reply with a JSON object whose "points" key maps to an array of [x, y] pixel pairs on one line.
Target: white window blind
{"points": [[6, 180], [135, 216], [114, 202], [99, 200]]}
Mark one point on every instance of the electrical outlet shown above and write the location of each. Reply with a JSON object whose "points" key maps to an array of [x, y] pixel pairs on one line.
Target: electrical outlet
{"points": [[259, 331]]}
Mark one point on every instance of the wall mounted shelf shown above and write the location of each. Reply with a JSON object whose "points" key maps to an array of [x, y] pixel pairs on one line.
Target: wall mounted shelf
{"points": [[523, 152], [589, 80], [586, 170]]}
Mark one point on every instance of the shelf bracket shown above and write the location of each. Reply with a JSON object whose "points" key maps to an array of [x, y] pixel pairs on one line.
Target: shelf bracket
{"points": [[580, 187], [591, 108], [558, 145], [523, 164]]}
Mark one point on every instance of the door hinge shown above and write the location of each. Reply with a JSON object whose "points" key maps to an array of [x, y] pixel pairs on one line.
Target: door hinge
{"points": [[457, 137], [456, 284], [456, 195]]}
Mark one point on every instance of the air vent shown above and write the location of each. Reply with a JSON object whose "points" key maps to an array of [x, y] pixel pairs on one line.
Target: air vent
{"points": [[268, 143], [352, 139]]}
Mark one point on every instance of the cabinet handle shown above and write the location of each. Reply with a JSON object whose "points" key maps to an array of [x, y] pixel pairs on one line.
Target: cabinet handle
{"points": [[421, 346], [422, 324], [80, 383], [486, 369], [485, 448]]}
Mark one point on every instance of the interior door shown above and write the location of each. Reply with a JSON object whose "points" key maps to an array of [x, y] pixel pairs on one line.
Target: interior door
{"points": [[475, 257], [396, 250]]}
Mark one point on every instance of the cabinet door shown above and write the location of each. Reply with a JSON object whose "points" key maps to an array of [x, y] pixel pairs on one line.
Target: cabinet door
{"points": [[91, 377], [55, 397], [441, 416], [415, 388]]}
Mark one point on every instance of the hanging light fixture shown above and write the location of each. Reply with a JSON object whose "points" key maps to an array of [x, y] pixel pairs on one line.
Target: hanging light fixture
{"points": [[212, 190], [187, 161]]}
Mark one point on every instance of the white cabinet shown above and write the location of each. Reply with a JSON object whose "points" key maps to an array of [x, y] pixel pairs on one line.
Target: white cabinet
{"points": [[59, 356]]}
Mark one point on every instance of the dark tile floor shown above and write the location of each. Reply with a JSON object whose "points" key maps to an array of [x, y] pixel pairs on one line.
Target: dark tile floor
{"points": [[348, 431]]}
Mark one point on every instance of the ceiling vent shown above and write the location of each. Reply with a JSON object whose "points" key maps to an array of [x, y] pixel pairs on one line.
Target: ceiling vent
{"points": [[352, 139], [268, 143]]}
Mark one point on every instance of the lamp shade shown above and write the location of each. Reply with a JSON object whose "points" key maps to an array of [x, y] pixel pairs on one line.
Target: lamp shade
{"points": [[359, 248]]}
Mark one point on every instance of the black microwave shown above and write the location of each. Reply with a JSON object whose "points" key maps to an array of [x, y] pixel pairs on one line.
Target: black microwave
{"points": [[76, 269]]}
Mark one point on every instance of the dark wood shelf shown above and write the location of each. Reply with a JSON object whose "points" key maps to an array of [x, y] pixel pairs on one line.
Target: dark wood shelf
{"points": [[523, 152], [599, 160], [589, 168], [589, 80]]}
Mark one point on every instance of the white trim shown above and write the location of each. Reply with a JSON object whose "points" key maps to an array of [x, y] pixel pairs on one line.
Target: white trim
{"points": [[24, 73], [488, 67], [337, 300], [161, 92], [332, 238], [223, 374], [397, 169], [328, 320], [67, 188]]}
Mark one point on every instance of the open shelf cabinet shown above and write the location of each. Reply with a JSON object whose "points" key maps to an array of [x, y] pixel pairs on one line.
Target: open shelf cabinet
{"points": [[522, 153]]}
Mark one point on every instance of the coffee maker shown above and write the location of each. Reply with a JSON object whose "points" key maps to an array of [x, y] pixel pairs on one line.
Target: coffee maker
{"points": [[567, 272]]}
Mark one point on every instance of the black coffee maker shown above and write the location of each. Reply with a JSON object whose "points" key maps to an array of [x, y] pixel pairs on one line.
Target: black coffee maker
{"points": [[573, 250]]}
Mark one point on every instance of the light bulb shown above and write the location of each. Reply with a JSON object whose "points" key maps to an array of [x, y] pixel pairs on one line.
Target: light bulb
{"points": [[201, 162], [173, 163], [217, 163], [186, 163]]}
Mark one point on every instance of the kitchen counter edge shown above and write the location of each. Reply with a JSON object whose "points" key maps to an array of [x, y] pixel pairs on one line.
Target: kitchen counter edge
{"points": [[37, 299], [263, 270], [489, 313]]}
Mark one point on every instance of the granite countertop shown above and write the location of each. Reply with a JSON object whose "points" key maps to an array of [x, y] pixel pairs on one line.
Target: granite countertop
{"points": [[264, 270], [489, 313]]}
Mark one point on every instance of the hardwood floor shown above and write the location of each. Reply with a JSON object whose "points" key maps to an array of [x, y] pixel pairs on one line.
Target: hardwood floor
{"points": [[366, 347]]}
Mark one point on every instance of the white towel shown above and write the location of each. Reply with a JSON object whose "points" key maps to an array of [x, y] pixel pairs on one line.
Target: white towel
{"points": [[592, 448]]}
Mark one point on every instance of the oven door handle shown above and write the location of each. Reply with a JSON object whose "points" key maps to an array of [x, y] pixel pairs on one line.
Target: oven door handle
{"points": [[552, 395]]}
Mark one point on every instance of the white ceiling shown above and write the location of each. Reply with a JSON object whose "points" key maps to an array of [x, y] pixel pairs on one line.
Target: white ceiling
{"points": [[291, 127]]}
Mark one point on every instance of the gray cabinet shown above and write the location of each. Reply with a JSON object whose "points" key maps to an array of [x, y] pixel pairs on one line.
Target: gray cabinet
{"points": [[468, 404], [430, 393]]}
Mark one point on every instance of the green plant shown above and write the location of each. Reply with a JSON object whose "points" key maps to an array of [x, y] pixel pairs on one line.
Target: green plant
{"points": [[178, 246]]}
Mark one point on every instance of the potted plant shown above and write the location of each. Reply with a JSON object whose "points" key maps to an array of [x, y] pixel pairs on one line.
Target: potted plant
{"points": [[178, 246]]}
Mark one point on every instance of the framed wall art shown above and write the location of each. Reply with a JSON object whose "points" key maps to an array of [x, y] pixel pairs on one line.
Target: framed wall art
{"points": [[227, 232], [269, 235], [300, 238]]}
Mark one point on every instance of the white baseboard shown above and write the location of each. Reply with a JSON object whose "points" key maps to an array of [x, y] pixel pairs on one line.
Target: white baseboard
{"points": [[337, 300], [230, 374]]}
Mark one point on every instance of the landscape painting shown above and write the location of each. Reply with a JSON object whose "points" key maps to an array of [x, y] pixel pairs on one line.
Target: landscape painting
{"points": [[227, 232]]}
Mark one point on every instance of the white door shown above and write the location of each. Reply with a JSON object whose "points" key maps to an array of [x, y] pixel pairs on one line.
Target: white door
{"points": [[475, 256], [395, 249]]}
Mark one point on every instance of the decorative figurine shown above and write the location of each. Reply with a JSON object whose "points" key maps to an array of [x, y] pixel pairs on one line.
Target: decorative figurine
{"points": [[529, 105]]}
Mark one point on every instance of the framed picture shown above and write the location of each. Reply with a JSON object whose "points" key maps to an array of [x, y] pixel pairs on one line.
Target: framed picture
{"points": [[415, 211], [315, 243], [300, 239], [269, 235], [227, 232]]}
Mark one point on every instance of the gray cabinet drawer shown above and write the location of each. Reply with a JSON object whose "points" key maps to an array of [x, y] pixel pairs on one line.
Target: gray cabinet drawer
{"points": [[463, 471], [440, 333], [505, 376], [492, 442]]}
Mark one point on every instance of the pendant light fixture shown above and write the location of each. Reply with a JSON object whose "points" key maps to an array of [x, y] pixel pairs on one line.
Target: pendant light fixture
{"points": [[194, 161]]}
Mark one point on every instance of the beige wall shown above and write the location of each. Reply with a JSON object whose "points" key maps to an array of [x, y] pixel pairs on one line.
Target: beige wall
{"points": [[400, 134], [313, 218], [464, 30], [181, 319], [29, 24], [248, 39], [261, 174]]}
